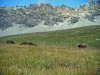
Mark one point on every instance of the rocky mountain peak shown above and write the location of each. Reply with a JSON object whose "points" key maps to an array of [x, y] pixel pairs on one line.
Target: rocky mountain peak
{"points": [[30, 16]]}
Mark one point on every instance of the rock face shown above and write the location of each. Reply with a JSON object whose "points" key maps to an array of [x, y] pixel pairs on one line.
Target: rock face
{"points": [[5, 21], [30, 16], [74, 20]]}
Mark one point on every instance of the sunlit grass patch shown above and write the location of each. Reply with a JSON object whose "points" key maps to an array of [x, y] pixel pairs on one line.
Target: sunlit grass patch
{"points": [[51, 60]]}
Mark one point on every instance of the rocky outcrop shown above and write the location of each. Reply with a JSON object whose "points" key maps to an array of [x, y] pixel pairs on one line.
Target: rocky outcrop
{"points": [[30, 16], [74, 20], [5, 21]]}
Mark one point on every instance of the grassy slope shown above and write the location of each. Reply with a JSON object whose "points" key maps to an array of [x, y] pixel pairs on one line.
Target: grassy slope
{"points": [[70, 37], [49, 57]]}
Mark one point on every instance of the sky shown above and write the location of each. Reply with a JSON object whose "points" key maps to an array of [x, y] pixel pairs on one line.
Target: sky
{"points": [[71, 3]]}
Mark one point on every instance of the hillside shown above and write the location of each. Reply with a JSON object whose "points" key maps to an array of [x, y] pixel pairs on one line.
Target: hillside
{"points": [[41, 17], [89, 35], [56, 53], [54, 34]]}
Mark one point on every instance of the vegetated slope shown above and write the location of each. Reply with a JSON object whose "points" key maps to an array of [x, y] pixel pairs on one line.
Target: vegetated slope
{"points": [[89, 35], [51, 56]]}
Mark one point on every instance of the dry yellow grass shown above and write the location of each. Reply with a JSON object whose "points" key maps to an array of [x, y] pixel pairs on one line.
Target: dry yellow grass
{"points": [[48, 60]]}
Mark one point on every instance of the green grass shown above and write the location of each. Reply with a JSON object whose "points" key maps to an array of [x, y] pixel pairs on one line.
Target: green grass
{"points": [[56, 53], [69, 37]]}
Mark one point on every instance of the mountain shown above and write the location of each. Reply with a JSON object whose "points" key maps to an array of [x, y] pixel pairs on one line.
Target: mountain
{"points": [[45, 17]]}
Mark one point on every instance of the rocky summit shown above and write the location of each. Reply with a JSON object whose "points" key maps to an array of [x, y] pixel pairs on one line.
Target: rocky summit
{"points": [[48, 15]]}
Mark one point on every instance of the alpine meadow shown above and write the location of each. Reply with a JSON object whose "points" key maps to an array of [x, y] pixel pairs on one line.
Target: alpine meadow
{"points": [[55, 53], [49, 37]]}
